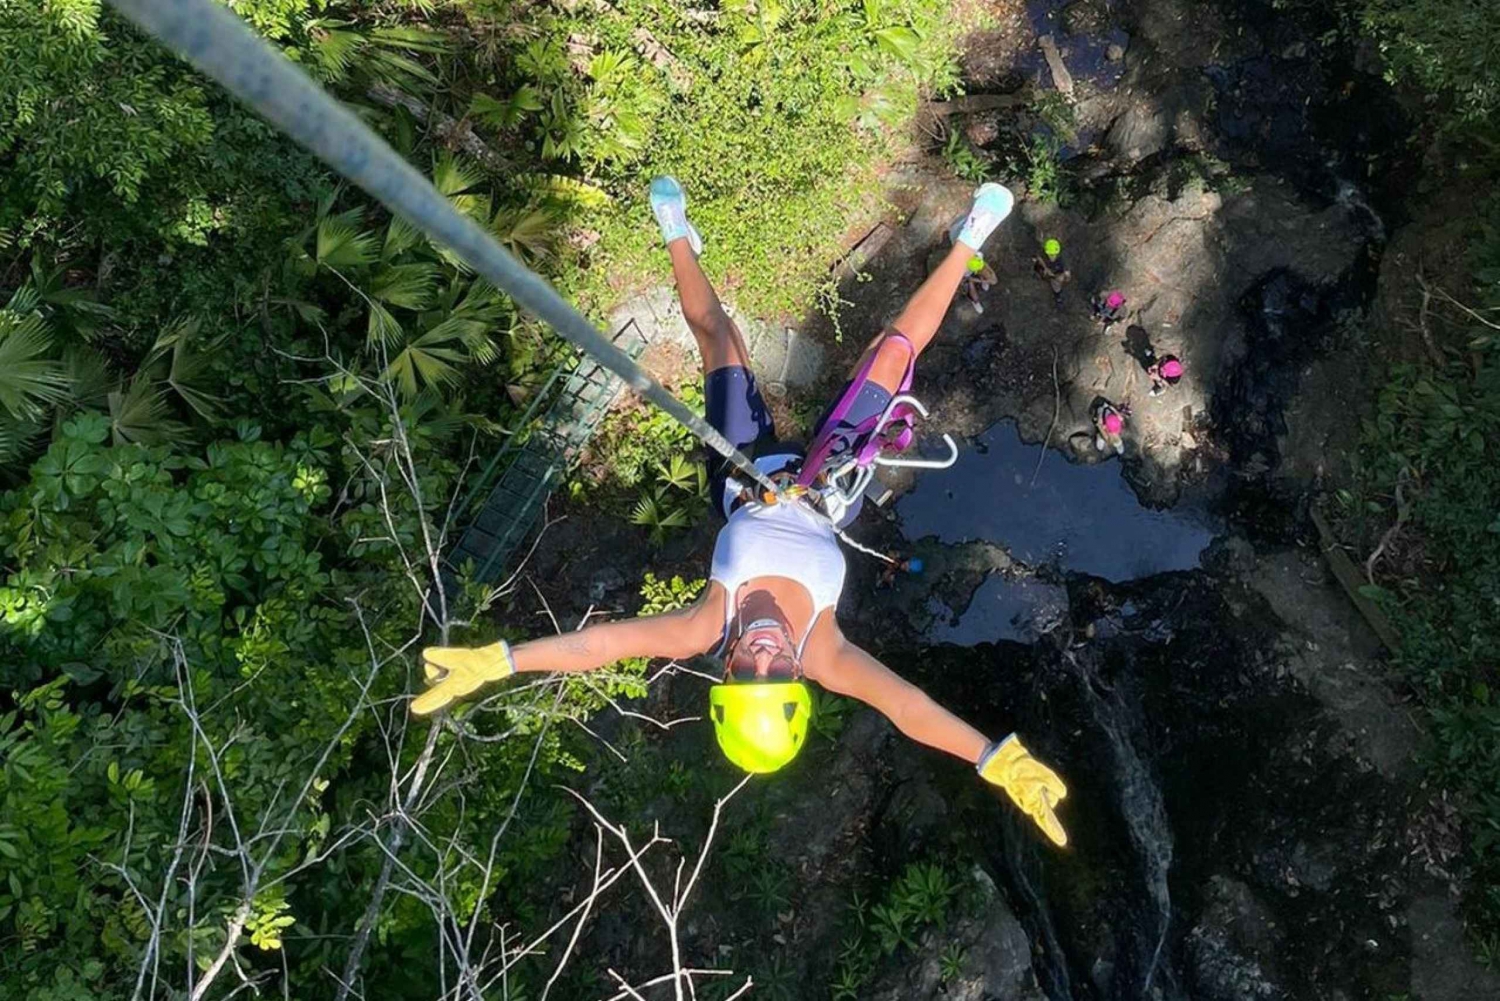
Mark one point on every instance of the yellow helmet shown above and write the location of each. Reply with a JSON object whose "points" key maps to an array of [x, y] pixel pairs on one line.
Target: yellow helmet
{"points": [[760, 725]]}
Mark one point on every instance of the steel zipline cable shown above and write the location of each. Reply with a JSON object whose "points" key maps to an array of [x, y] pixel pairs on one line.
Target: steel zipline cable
{"points": [[214, 40]]}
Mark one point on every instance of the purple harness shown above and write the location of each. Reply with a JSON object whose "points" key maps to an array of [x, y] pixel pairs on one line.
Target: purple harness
{"points": [[859, 442]]}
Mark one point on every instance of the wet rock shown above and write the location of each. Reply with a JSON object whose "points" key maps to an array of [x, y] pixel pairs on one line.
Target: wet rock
{"points": [[605, 581], [1115, 53], [1220, 968], [1152, 123], [1230, 554]]}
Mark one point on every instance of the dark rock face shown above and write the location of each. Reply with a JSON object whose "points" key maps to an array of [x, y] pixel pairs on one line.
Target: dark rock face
{"points": [[1224, 842]]}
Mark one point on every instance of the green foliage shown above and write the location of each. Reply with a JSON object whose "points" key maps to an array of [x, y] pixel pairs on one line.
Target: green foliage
{"points": [[1426, 457], [668, 595], [1448, 47], [105, 135], [1042, 170], [638, 443], [1054, 109], [777, 979], [918, 899], [773, 120], [963, 159], [830, 713], [951, 962], [679, 498], [207, 376]]}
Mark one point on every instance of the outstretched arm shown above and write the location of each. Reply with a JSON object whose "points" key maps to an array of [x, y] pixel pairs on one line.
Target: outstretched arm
{"points": [[842, 667], [683, 633], [453, 672]]}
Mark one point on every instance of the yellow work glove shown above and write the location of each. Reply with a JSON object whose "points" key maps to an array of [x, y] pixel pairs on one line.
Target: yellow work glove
{"points": [[1034, 787], [456, 671]]}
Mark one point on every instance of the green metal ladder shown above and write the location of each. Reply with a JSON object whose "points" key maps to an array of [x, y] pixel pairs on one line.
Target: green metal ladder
{"points": [[512, 489]]}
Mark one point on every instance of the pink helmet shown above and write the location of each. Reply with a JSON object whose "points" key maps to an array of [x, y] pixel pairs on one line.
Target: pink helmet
{"points": [[1115, 299], [1171, 369], [1113, 422]]}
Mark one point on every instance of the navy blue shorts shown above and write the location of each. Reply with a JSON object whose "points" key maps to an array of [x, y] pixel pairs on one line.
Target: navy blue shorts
{"points": [[737, 411]]}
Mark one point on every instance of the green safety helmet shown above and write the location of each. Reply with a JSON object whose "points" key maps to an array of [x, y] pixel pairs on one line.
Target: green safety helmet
{"points": [[760, 725], [1052, 247], [976, 264]]}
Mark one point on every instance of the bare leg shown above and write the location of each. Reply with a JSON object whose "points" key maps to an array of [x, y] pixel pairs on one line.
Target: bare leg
{"points": [[919, 320], [719, 341]]}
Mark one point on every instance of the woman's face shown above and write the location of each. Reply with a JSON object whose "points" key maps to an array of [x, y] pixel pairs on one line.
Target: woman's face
{"points": [[763, 651]]}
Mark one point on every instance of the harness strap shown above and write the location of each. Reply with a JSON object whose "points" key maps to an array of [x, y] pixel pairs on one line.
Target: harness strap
{"points": [[831, 435]]}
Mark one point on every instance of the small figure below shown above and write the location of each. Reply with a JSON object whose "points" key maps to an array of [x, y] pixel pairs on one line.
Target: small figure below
{"points": [[1049, 267], [979, 277], [1166, 372], [1109, 425], [1108, 308]]}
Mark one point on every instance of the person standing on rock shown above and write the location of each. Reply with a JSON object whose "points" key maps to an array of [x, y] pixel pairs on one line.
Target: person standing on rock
{"points": [[1109, 426], [777, 573], [978, 279], [1049, 267], [1108, 308], [1164, 373]]}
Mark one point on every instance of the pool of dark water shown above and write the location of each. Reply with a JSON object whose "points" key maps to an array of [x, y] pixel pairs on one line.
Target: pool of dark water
{"points": [[1020, 609], [1083, 518], [1083, 31]]}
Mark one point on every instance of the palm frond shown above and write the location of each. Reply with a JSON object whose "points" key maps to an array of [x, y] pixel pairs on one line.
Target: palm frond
{"points": [[24, 300], [184, 366], [424, 363], [400, 236], [509, 112], [611, 65], [384, 63], [435, 416], [88, 375], [75, 306], [29, 380], [139, 414], [415, 39], [18, 439], [341, 242], [453, 175], [410, 286], [647, 512], [471, 334], [529, 232], [382, 329], [335, 50]]}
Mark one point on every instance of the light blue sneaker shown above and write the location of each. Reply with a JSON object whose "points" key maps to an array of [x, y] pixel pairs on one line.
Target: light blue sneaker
{"points": [[669, 205], [992, 203]]}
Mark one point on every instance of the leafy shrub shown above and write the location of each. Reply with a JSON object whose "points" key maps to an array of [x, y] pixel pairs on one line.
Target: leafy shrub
{"points": [[918, 899], [1445, 46]]}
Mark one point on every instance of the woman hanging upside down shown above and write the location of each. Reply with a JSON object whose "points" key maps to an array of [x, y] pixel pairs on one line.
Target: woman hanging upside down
{"points": [[769, 608]]}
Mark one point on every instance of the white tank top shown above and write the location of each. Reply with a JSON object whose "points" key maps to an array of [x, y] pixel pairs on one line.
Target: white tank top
{"points": [[779, 540]]}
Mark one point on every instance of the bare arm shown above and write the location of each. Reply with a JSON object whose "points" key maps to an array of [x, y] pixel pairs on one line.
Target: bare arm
{"points": [[682, 633], [842, 667]]}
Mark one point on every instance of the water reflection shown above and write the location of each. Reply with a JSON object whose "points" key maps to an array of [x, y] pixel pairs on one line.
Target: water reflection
{"points": [[1086, 518]]}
